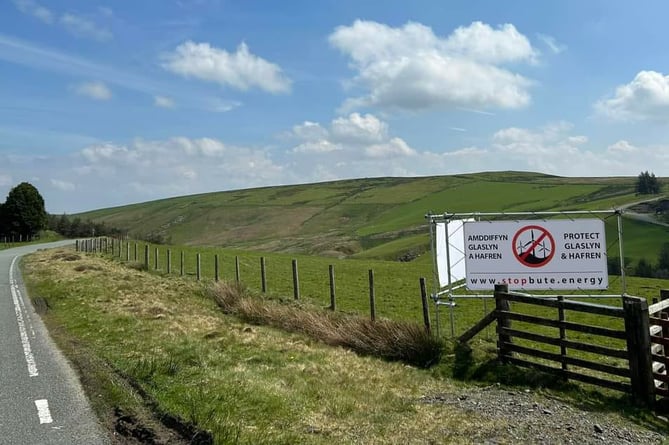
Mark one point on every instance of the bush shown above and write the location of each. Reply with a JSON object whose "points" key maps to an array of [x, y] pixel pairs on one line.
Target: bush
{"points": [[391, 340]]}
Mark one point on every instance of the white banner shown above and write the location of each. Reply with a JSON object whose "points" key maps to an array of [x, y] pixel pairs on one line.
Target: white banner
{"points": [[557, 254], [450, 250]]}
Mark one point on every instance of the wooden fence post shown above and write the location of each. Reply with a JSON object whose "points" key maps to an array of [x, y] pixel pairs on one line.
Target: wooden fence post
{"points": [[127, 251], [169, 261], [637, 327], [182, 263], [502, 304], [76, 244], [372, 296], [146, 256], [155, 259], [135, 250], [296, 281], [237, 274], [199, 267], [216, 276], [426, 308], [563, 334], [263, 276], [333, 298]]}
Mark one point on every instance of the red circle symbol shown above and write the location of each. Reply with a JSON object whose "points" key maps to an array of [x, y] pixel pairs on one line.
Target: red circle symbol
{"points": [[533, 246]]}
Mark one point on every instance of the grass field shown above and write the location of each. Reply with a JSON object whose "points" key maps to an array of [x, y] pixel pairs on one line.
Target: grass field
{"points": [[379, 218], [252, 384], [396, 284], [246, 384]]}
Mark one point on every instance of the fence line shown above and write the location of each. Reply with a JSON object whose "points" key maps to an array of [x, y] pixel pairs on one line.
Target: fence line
{"points": [[214, 267]]}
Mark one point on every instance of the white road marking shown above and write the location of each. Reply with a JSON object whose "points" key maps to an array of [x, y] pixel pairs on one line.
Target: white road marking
{"points": [[25, 341], [43, 411], [27, 316]]}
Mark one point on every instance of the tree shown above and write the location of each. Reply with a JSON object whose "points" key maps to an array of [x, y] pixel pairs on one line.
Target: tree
{"points": [[647, 184], [663, 262], [644, 269], [4, 226], [24, 211]]}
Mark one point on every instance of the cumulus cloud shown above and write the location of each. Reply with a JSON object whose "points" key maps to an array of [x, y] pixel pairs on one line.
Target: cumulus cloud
{"points": [[359, 135], [556, 150], [154, 161], [240, 70], [93, 90], [412, 68], [396, 147], [163, 102], [359, 129], [646, 97], [622, 146]]}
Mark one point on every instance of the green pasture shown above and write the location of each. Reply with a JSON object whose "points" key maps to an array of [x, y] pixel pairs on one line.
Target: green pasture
{"points": [[396, 284], [363, 217]]}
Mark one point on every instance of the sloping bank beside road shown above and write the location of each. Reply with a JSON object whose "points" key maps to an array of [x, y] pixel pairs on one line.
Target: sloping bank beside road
{"points": [[253, 384]]}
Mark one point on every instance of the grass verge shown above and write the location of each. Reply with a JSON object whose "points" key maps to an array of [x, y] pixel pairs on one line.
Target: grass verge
{"points": [[242, 383], [161, 344]]}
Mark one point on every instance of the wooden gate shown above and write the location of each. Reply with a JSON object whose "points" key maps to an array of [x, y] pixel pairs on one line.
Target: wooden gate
{"points": [[659, 336], [622, 361]]}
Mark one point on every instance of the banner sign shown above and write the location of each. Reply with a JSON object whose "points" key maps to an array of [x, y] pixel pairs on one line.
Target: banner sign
{"points": [[557, 254], [450, 250]]}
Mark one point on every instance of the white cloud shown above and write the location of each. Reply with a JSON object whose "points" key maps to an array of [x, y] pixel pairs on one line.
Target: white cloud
{"points": [[93, 90], [548, 149], [358, 135], [33, 8], [206, 147], [359, 129], [163, 102], [412, 68], [83, 27], [553, 149], [97, 153], [77, 25], [310, 131], [62, 185], [646, 97], [395, 147], [480, 41], [553, 45], [240, 70], [25, 53], [621, 146], [318, 146], [220, 105]]}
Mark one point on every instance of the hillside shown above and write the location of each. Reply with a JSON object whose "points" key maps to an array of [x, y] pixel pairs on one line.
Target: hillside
{"points": [[379, 217]]}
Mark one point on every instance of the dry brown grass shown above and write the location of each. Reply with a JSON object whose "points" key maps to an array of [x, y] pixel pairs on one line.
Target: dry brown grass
{"points": [[391, 340]]}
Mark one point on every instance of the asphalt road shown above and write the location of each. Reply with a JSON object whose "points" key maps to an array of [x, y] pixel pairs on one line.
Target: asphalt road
{"points": [[41, 400]]}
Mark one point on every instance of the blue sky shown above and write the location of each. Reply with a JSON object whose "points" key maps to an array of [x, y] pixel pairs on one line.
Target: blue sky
{"points": [[109, 103]]}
